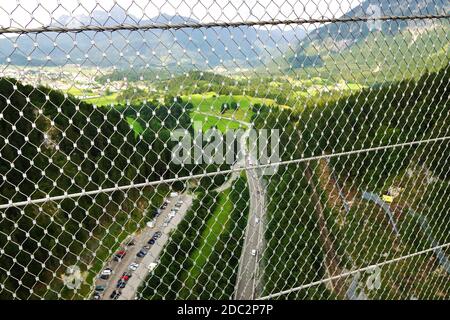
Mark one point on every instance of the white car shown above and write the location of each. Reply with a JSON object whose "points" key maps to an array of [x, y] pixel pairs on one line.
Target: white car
{"points": [[133, 266], [167, 221], [152, 266], [106, 273], [256, 220], [254, 252]]}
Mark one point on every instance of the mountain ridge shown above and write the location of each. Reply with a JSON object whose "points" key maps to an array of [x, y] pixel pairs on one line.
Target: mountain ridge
{"points": [[243, 46]]}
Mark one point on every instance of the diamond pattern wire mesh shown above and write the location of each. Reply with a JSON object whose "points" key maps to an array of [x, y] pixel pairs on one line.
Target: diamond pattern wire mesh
{"points": [[353, 205]]}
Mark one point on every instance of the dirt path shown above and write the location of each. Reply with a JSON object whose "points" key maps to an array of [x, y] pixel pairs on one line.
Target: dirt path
{"points": [[331, 258]]}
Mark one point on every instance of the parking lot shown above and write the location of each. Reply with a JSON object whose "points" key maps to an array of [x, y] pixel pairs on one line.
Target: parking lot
{"points": [[139, 255]]}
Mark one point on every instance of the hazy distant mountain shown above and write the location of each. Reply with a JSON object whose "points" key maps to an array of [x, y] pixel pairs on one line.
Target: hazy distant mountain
{"points": [[202, 48]]}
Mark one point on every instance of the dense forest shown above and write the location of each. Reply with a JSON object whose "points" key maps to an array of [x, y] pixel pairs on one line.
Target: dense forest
{"points": [[307, 221], [395, 113], [52, 144]]}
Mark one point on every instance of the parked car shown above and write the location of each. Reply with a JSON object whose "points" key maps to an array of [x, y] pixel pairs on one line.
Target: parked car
{"points": [[133, 266], [96, 296], [151, 241], [167, 221], [115, 294], [151, 266], [127, 274], [173, 194], [158, 234], [155, 236], [106, 274], [253, 252], [120, 255], [100, 288], [156, 212], [165, 204], [142, 253], [121, 284]]}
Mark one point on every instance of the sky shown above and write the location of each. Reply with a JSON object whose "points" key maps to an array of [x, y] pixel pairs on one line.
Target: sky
{"points": [[35, 13]]}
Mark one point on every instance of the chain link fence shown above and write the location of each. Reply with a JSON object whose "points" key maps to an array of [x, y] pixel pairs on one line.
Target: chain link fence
{"points": [[234, 149]]}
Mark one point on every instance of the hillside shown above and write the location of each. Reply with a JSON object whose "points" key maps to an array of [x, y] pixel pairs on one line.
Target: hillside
{"points": [[320, 222], [51, 144], [370, 52]]}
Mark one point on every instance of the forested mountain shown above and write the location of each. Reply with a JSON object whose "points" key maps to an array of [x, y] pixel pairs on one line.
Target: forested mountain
{"points": [[51, 144], [307, 219], [353, 32], [410, 110], [373, 51]]}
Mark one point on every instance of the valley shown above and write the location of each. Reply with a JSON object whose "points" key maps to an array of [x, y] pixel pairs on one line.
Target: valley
{"points": [[356, 206]]}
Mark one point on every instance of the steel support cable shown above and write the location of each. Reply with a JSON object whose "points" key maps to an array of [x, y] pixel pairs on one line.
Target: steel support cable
{"points": [[199, 25], [151, 183], [349, 273]]}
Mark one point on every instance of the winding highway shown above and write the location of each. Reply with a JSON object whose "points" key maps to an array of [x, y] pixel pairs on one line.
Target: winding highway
{"points": [[441, 257], [248, 281]]}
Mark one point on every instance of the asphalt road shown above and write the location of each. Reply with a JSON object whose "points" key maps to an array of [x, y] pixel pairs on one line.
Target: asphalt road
{"points": [[140, 240], [248, 279]]}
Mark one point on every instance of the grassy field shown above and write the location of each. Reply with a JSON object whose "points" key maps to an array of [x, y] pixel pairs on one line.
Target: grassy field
{"points": [[210, 268], [79, 92], [211, 103], [210, 236], [208, 122], [104, 100]]}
